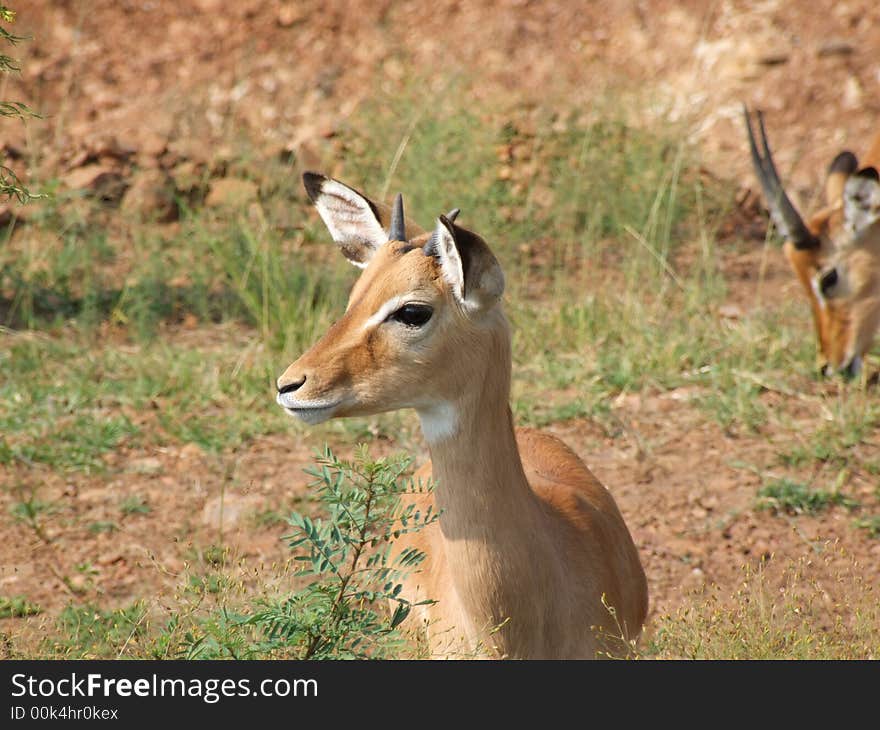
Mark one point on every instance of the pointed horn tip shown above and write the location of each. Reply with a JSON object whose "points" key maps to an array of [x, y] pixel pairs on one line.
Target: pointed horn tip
{"points": [[397, 230], [453, 214]]}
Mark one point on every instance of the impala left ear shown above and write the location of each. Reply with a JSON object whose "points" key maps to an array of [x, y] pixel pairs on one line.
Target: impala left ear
{"points": [[468, 265], [861, 201], [359, 225], [351, 217]]}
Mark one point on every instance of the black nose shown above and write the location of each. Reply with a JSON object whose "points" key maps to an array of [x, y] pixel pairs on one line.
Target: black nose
{"points": [[290, 387]]}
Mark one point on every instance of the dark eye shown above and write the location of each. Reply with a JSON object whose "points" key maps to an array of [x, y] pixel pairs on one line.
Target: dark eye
{"points": [[827, 281], [412, 315]]}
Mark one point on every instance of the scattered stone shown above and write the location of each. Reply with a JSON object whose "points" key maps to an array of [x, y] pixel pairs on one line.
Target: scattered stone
{"points": [[110, 558], [835, 47], [153, 145], [853, 93], [229, 510], [188, 176], [145, 465], [729, 311], [14, 211], [191, 451], [289, 14], [101, 180], [761, 549], [229, 192], [773, 58], [151, 196]]}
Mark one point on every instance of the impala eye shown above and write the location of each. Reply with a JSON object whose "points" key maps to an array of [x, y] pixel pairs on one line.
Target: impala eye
{"points": [[412, 315], [827, 281]]}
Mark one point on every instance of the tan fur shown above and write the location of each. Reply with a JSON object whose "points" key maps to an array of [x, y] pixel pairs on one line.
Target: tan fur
{"points": [[529, 543], [846, 322], [575, 523]]}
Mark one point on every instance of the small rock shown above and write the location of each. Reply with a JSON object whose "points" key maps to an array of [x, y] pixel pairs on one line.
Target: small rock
{"points": [[16, 211], [153, 144], [710, 503], [761, 549], [151, 196], [110, 558], [191, 148], [288, 14], [835, 47], [191, 451], [729, 311], [103, 181], [228, 510], [188, 176], [773, 58], [853, 94], [78, 584], [231, 192], [146, 465]]}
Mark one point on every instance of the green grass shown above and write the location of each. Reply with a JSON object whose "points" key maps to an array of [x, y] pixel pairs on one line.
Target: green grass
{"points": [[787, 496], [134, 505], [775, 612], [120, 338], [17, 607], [871, 525], [86, 632]]}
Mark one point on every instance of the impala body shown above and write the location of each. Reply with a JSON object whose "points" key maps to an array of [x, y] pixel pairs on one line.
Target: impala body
{"points": [[835, 253], [530, 550]]}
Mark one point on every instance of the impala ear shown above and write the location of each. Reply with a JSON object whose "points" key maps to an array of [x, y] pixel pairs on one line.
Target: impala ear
{"points": [[356, 223], [861, 201], [468, 266], [351, 218]]}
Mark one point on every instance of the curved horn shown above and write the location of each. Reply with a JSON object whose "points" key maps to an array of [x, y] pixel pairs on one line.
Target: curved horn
{"points": [[784, 215], [430, 247], [397, 231]]}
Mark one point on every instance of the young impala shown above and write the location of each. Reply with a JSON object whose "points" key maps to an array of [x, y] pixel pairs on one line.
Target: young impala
{"points": [[835, 253], [529, 544]]}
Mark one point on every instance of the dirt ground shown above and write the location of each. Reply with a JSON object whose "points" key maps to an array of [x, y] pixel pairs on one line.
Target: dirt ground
{"points": [[130, 83]]}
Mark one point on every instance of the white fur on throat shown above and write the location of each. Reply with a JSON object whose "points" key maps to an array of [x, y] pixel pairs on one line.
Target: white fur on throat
{"points": [[439, 422]]}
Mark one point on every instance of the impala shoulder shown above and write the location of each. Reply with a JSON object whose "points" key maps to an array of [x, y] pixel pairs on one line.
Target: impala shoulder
{"points": [[556, 472]]}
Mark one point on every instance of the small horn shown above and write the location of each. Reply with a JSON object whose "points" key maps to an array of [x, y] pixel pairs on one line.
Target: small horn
{"points": [[397, 231], [430, 247], [784, 214]]}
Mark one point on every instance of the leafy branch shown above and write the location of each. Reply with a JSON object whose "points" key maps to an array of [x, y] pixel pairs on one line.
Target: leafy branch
{"points": [[10, 185], [351, 559]]}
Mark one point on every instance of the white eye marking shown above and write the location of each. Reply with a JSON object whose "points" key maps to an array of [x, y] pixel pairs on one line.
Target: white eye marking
{"points": [[391, 306], [439, 422]]}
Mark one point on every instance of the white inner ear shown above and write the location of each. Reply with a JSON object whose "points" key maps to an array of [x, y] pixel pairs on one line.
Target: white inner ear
{"points": [[450, 261], [861, 204], [351, 221]]}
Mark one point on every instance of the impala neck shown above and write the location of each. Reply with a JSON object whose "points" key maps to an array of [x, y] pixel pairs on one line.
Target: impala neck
{"points": [[476, 464]]}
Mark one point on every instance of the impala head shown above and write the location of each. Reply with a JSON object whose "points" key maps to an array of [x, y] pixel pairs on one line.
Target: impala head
{"points": [[423, 317], [835, 253]]}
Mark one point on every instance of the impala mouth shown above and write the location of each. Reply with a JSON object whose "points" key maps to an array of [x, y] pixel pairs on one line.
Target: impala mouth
{"points": [[311, 413]]}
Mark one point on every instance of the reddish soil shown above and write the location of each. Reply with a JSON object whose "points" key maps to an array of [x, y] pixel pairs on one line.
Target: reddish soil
{"points": [[131, 83]]}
